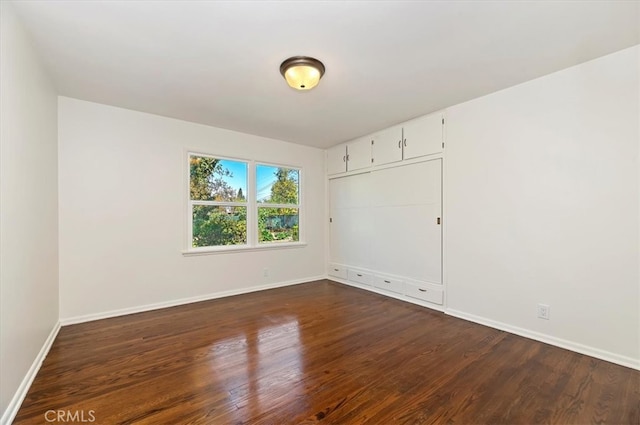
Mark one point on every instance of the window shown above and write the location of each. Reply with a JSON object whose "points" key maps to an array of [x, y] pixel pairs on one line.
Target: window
{"points": [[238, 204], [217, 201], [278, 197]]}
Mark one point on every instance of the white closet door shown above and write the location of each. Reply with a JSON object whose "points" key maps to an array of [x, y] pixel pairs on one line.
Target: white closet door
{"points": [[387, 221], [351, 225], [407, 239]]}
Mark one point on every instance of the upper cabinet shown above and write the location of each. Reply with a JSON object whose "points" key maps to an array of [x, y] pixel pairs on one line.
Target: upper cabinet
{"points": [[337, 159], [387, 145], [419, 137], [350, 156], [412, 139], [359, 154], [423, 136]]}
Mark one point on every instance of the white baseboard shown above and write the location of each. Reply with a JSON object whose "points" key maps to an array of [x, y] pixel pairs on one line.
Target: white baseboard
{"points": [[12, 409], [14, 405], [558, 342], [182, 301], [548, 339], [386, 293]]}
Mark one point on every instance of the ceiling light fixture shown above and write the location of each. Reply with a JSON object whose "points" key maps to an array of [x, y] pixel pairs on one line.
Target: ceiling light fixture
{"points": [[302, 72]]}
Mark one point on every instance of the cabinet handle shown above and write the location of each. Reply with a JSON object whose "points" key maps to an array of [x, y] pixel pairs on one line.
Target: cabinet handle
{"points": [[358, 274], [387, 281], [399, 144], [336, 270], [344, 158], [422, 290], [405, 143]]}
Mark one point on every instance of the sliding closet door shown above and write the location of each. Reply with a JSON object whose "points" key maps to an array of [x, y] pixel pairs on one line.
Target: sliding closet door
{"points": [[351, 223], [387, 221], [407, 240]]}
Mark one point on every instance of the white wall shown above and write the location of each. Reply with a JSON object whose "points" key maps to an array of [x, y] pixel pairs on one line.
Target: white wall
{"points": [[542, 206], [28, 208], [123, 205]]}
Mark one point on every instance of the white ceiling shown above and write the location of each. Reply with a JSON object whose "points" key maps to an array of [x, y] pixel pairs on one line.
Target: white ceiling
{"points": [[217, 63]]}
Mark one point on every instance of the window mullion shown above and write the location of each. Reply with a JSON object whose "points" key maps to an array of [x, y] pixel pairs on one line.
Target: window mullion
{"points": [[252, 210], [265, 205], [219, 203]]}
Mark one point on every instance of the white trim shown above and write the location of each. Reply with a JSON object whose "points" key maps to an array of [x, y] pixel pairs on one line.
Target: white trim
{"points": [[219, 203], [548, 339], [191, 202], [14, 405], [172, 303], [252, 210], [443, 232], [251, 204], [266, 205], [410, 161], [228, 249], [389, 294]]}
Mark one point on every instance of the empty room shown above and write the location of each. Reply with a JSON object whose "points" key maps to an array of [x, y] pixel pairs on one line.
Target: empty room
{"points": [[335, 212]]}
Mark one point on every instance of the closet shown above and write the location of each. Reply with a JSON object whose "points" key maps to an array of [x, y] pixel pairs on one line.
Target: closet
{"points": [[386, 219]]}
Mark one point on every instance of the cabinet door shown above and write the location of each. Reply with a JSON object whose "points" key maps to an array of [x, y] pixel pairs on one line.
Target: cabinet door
{"points": [[423, 136], [337, 159], [359, 154], [387, 146]]}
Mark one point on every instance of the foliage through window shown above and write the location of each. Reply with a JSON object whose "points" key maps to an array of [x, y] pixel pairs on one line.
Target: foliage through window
{"points": [[229, 209], [217, 199], [278, 204]]}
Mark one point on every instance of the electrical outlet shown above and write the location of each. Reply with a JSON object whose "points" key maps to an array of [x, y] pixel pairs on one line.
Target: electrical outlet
{"points": [[265, 272], [544, 311]]}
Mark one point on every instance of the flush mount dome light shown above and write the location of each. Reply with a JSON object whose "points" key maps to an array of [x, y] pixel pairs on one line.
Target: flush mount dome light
{"points": [[302, 72]]}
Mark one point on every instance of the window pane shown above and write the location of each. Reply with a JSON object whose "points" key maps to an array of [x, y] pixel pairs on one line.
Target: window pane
{"points": [[219, 225], [277, 185], [278, 224], [213, 179]]}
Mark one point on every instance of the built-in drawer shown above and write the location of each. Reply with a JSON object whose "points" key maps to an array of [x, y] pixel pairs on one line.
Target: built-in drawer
{"points": [[389, 284], [359, 276], [424, 291], [337, 270]]}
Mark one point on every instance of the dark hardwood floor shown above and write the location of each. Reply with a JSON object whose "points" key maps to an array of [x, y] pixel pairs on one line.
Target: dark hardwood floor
{"points": [[319, 352]]}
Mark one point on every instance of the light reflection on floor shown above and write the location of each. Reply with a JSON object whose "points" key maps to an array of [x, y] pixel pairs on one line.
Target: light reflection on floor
{"points": [[273, 359]]}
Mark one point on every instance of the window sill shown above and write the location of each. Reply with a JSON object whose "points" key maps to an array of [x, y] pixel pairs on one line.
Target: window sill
{"points": [[236, 249]]}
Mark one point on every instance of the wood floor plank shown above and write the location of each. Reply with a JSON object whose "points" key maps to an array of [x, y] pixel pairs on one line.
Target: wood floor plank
{"points": [[320, 353]]}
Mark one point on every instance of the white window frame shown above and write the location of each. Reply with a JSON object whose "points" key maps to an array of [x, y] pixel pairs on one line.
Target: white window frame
{"points": [[251, 205], [267, 205], [191, 203]]}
